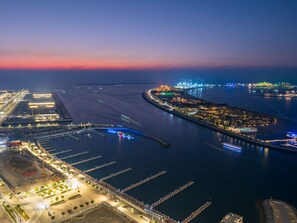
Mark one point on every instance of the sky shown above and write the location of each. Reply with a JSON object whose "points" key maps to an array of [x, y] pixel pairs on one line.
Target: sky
{"points": [[126, 34]]}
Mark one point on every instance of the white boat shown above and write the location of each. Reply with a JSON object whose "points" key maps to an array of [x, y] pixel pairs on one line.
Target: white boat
{"points": [[232, 147], [292, 135]]}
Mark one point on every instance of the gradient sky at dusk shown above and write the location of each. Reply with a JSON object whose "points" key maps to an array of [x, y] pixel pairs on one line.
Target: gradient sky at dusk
{"points": [[147, 34]]}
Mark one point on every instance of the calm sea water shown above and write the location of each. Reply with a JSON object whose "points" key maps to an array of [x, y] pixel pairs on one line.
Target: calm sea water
{"points": [[233, 181]]}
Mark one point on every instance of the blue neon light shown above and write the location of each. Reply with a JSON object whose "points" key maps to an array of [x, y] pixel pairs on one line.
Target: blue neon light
{"points": [[232, 148]]}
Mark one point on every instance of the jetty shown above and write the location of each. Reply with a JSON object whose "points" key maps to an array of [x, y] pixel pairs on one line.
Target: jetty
{"points": [[73, 137], [99, 167], [74, 155], [98, 133], [86, 160], [144, 181], [116, 174], [197, 212], [171, 194], [65, 151]]}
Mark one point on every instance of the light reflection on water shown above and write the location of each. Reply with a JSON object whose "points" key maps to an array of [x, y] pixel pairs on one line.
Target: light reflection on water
{"points": [[234, 181]]}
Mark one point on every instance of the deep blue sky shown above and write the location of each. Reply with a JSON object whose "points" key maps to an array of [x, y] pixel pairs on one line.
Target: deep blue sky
{"points": [[144, 34]]}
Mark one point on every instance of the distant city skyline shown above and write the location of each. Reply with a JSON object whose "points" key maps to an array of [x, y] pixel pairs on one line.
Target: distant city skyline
{"points": [[147, 34]]}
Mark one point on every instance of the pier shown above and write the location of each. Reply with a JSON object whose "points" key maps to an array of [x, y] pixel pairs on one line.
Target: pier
{"points": [[51, 150], [98, 133], [53, 135], [45, 143], [86, 160], [116, 174], [73, 137], [280, 140], [288, 144], [65, 151], [144, 181], [99, 167], [74, 155], [171, 194], [197, 212], [47, 147]]}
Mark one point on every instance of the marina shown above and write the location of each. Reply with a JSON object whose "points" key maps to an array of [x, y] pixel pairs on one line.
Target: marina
{"points": [[113, 148]]}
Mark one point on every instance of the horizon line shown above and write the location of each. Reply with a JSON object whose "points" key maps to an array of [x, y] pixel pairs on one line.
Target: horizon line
{"points": [[128, 68]]}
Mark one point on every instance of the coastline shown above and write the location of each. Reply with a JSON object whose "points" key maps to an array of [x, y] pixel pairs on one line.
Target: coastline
{"points": [[255, 141]]}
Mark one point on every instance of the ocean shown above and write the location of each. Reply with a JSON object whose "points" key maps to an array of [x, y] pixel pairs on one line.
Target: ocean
{"points": [[234, 182]]}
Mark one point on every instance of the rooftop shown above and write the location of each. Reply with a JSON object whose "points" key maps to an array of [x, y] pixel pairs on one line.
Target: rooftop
{"points": [[232, 218]]}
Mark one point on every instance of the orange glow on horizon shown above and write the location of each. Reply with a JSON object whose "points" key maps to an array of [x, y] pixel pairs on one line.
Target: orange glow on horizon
{"points": [[50, 63]]}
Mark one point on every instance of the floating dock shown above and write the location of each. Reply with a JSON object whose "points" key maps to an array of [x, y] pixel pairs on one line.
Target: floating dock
{"points": [[73, 137], [98, 133], [116, 174], [46, 146], [86, 160], [45, 143], [99, 167], [171, 194], [74, 155], [144, 181], [65, 151], [197, 212]]}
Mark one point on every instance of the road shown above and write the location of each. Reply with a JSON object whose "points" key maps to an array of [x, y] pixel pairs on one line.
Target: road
{"points": [[282, 212]]}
